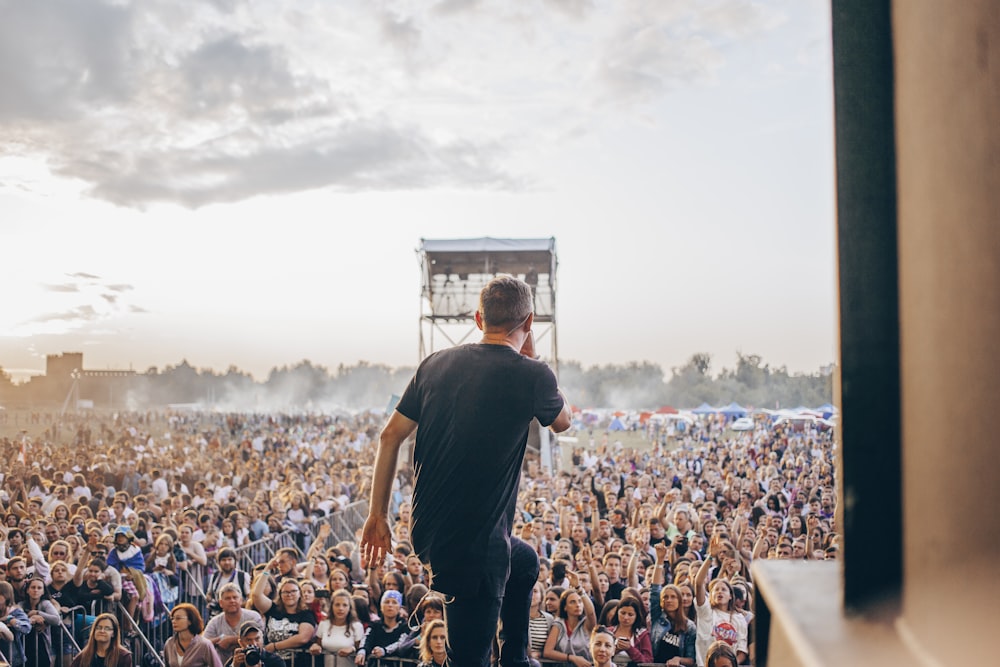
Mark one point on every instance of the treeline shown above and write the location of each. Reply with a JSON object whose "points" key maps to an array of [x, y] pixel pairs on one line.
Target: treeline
{"points": [[307, 386], [644, 385]]}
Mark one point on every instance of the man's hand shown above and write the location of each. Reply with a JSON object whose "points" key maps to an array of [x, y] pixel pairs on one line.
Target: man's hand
{"points": [[528, 348], [376, 540]]}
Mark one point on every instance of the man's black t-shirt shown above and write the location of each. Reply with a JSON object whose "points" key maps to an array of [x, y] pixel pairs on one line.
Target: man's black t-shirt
{"points": [[473, 405]]}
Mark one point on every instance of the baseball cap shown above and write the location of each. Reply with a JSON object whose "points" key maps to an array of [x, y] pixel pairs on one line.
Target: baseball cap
{"points": [[247, 626], [343, 560]]}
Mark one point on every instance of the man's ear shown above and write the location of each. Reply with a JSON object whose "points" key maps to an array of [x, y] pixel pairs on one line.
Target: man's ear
{"points": [[479, 320], [527, 323]]}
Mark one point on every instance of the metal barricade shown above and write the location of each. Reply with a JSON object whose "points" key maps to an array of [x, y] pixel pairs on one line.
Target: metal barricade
{"points": [[250, 555], [348, 661], [285, 540], [36, 649], [147, 638], [64, 639], [145, 643], [391, 661], [192, 587]]}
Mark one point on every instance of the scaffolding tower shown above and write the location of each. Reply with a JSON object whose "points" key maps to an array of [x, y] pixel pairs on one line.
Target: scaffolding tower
{"points": [[454, 272]]}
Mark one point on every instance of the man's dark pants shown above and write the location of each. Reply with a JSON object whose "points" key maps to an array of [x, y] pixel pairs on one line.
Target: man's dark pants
{"points": [[472, 621]]}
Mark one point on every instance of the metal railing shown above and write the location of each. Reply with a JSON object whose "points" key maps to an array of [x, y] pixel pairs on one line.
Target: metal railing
{"points": [[146, 638]]}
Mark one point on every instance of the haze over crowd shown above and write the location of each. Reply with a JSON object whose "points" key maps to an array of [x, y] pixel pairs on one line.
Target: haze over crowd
{"points": [[366, 386]]}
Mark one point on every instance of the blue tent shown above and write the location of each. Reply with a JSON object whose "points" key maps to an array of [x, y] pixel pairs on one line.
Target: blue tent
{"points": [[704, 409], [734, 410], [616, 425], [826, 410]]}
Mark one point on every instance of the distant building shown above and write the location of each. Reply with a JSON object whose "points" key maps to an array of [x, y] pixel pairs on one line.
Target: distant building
{"points": [[66, 380]]}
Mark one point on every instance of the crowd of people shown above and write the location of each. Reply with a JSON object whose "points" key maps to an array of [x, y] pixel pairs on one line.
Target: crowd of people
{"points": [[223, 526]]}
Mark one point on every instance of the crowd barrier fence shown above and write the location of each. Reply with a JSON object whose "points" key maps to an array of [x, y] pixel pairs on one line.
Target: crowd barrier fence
{"points": [[146, 638]]}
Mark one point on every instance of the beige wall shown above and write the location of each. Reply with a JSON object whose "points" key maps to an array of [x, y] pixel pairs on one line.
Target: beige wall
{"points": [[947, 58]]}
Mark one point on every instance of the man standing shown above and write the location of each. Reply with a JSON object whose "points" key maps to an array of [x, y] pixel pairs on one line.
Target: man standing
{"points": [[474, 404]]}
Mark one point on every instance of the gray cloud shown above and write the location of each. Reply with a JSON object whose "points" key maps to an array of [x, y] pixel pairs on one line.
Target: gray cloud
{"points": [[180, 103], [197, 103], [225, 72], [83, 300], [457, 6], [65, 287], [85, 313], [657, 47], [573, 8], [401, 31], [59, 57], [358, 156]]}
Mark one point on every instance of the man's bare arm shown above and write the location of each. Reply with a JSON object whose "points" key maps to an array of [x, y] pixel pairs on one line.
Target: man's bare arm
{"points": [[565, 418], [376, 536]]}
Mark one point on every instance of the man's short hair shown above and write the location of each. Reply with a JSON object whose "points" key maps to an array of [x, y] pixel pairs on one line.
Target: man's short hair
{"points": [[230, 587], [505, 301], [612, 555]]}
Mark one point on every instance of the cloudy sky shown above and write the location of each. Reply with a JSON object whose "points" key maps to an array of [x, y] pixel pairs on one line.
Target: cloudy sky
{"points": [[246, 183]]}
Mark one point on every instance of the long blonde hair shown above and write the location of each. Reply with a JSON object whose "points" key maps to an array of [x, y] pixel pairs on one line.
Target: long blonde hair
{"points": [[425, 638]]}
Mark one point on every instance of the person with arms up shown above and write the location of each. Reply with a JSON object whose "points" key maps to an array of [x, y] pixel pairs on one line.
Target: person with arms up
{"points": [[474, 404]]}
